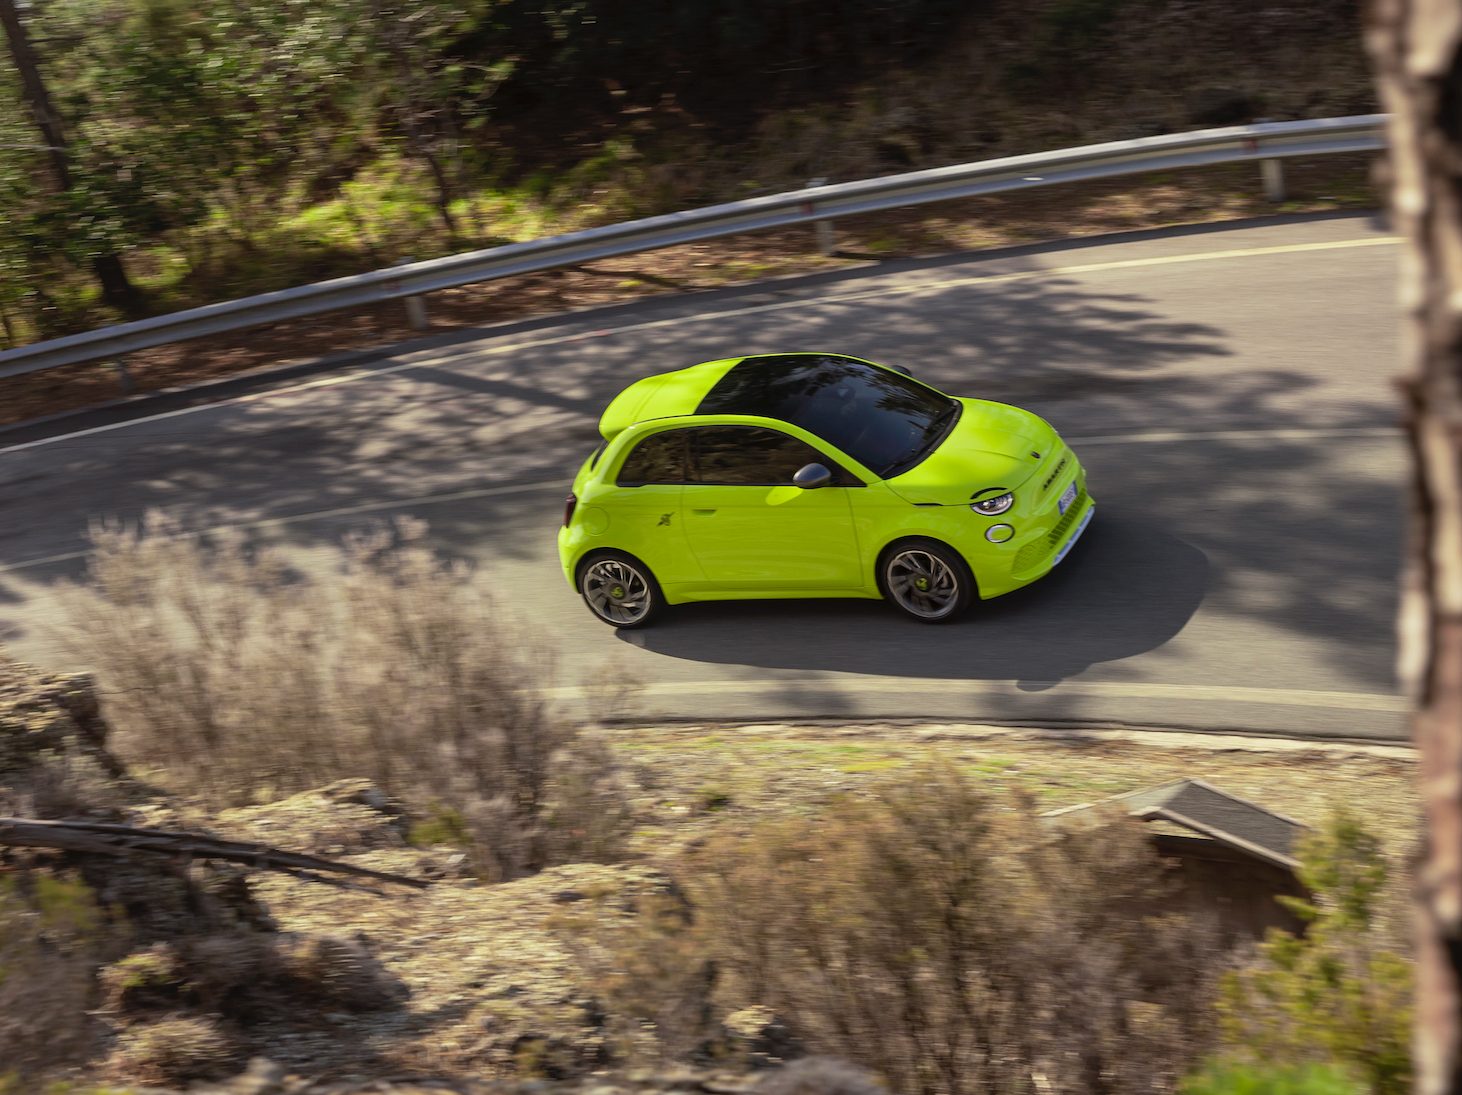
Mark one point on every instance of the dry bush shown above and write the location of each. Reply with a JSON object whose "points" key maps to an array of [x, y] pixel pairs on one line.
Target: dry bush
{"points": [[1124, 1000], [657, 972], [945, 944], [337, 971], [245, 681], [175, 1051]]}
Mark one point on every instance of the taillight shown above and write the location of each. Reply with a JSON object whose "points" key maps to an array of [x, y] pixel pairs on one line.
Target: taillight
{"points": [[568, 509]]}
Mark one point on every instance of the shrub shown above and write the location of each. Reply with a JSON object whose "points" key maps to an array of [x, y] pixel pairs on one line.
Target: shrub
{"points": [[1331, 995], [50, 940], [921, 933], [1248, 1079], [148, 979], [245, 680], [175, 1051]]}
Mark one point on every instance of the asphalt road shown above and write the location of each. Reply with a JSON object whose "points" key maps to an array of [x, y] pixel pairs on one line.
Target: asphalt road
{"points": [[1228, 389]]}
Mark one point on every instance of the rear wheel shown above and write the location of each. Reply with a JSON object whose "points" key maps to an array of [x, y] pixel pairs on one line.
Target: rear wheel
{"points": [[620, 590], [926, 580]]}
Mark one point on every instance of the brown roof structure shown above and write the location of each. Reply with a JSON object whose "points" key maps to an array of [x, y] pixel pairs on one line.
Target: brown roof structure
{"points": [[1210, 812]]}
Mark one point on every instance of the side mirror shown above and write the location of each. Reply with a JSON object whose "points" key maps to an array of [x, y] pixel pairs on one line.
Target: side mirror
{"points": [[812, 476]]}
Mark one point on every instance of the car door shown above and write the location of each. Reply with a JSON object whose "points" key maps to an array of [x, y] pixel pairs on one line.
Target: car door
{"points": [[751, 529], [644, 507]]}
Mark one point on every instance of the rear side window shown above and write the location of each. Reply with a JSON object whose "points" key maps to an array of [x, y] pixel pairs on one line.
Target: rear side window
{"points": [[659, 458], [752, 456], [878, 417]]}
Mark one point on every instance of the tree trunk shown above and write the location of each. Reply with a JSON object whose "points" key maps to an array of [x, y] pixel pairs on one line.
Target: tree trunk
{"points": [[116, 288], [1416, 47], [388, 20]]}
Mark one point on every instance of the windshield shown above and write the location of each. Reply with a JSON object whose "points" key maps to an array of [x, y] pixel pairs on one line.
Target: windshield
{"points": [[882, 419]]}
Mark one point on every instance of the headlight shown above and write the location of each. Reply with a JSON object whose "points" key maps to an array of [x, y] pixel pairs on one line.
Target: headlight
{"points": [[994, 505]]}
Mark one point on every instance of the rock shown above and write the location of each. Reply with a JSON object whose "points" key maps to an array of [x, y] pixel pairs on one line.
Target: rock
{"points": [[760, 1036], [344, 818], [162, 902], [820, 1076], [43, 715], [262, 1077]]}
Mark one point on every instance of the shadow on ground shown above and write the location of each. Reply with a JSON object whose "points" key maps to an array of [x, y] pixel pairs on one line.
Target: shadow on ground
{"points": [[1288, 536], [1127, 588]]}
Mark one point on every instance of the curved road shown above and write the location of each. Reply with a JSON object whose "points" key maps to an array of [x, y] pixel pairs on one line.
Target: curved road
{"points": [[1228, 388]]}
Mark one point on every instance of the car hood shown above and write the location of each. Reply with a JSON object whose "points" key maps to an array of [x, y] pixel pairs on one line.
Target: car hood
{"points": [[992, 445]]}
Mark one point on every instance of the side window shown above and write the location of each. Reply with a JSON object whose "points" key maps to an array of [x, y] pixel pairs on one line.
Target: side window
{"points": [[751, 456], [659, 458]]}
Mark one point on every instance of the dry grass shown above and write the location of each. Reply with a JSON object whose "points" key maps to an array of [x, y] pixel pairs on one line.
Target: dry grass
{"points": [[243, 681]]}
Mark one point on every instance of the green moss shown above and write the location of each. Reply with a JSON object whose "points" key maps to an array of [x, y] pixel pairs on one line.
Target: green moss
{"points": [[444, 826], [144, 970]]}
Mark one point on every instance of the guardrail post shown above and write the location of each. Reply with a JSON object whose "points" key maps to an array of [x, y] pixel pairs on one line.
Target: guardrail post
{"points": [[415, 306], [822, 230], [1272, 172], [124, 378]]}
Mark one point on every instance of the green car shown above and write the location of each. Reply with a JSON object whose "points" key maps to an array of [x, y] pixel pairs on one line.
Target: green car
{"points": [[815, 475]]}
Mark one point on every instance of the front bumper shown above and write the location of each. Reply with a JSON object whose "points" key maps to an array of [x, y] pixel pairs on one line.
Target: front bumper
{"points": [[1032, 556]]}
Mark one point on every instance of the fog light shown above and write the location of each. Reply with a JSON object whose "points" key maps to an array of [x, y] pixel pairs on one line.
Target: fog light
{"points": [[998, 534]]}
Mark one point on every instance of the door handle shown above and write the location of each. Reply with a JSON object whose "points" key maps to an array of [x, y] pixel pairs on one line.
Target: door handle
{"points": [[703, 512]]}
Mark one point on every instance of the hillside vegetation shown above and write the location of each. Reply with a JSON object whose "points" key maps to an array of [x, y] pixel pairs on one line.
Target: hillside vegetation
{"points": [[602, 901], [223, 147]]}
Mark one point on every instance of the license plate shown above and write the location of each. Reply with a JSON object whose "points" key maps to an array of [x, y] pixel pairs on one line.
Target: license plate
{"points": [[1075, 536], [1067, 497]]}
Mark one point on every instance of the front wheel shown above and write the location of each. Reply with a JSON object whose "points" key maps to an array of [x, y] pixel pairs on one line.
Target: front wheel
{"points": [[926, 580], [620, 590]]}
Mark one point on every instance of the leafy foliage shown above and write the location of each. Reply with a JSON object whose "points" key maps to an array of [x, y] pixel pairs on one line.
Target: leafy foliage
{"points": [[205, 135], [1241, 1079], [1331, 995]]}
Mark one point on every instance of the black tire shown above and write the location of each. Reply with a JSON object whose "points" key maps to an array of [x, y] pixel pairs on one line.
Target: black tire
{"points": [[905, 567], [620, 590]]}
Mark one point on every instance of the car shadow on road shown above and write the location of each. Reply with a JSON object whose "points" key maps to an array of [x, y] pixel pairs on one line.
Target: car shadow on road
{"points": [[1126, 589]]}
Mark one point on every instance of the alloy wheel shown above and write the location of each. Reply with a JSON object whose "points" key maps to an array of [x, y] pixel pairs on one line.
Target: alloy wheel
{"points": [[617, 592], [923, 584]]}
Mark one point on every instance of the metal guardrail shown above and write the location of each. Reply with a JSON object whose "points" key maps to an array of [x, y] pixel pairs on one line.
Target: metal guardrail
{"points": [[1266, 143]]}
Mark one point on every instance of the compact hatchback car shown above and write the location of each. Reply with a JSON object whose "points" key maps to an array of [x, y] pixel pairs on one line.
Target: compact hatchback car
{"points": [[815, 475]]}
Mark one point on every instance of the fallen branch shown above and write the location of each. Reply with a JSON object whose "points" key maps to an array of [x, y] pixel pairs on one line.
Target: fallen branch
{"points": [[124, 840]]}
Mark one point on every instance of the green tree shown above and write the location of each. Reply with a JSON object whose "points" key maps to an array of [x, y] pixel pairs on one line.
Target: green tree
{"points": [[105, 262], [1332, 994], [1237, 1079]]}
